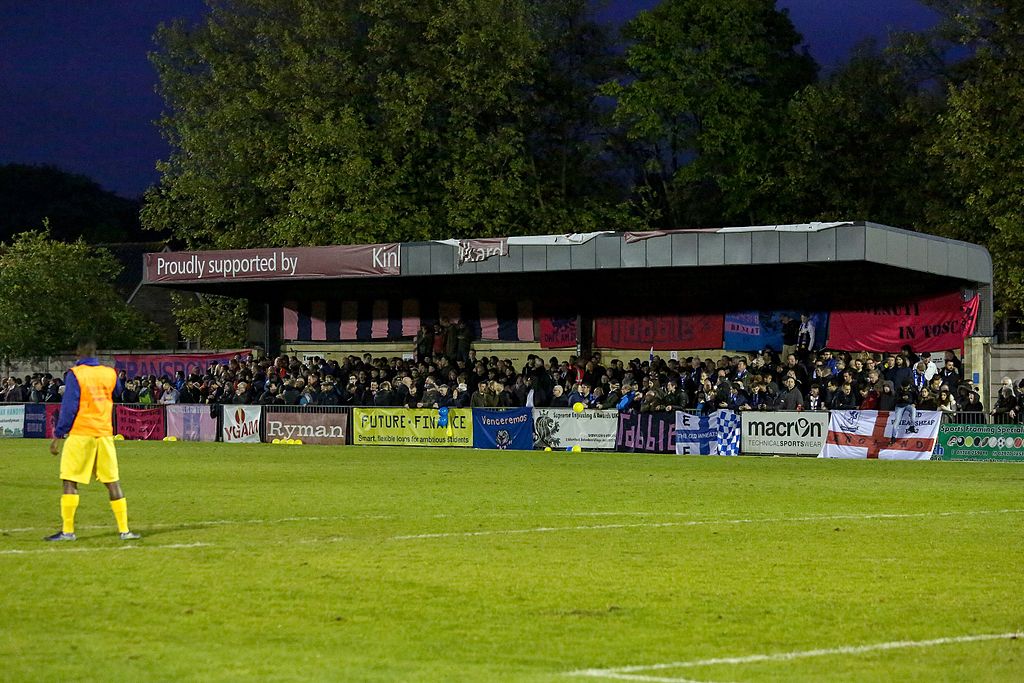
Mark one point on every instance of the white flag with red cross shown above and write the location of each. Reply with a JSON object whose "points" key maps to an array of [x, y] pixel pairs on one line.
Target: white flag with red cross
{"points": [[872, 434]]}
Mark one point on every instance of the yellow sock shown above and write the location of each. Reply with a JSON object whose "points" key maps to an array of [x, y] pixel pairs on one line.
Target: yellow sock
{"points": [[68, 505], [120, 508]]}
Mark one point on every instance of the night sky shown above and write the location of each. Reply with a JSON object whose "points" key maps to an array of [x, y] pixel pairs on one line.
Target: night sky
{"points": [[77, 91]]}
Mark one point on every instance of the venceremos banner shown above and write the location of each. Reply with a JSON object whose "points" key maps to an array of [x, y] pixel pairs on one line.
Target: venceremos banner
{"points": [[561, 428], [405, 427], [789, 433], [998, 443], [12, 421], [510, 429], [324, 429]]}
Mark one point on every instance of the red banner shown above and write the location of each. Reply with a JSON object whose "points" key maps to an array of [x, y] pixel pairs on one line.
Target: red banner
{"points": [[557, 333], [664, 333], [140, 424], [137, 365], [52, 415], [935, 324]]}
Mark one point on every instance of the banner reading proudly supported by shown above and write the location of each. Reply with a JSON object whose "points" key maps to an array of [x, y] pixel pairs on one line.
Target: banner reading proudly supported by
{"points": [[241, 424], [140, 424], [322, 429], [12, 421], [510, 429], [768, 433], [935, 324], [872, 434], [756, 330], [416, 427], [993, 443], [717, 433], [139, 364], [35, 421], [646, 433], [187, 422], [561, 428], [664, 333]]}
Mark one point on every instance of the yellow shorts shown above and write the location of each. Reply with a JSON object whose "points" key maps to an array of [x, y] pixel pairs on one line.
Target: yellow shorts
{"points": [[84, 456]]}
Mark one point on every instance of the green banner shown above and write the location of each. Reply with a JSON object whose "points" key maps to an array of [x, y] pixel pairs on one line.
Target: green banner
{"points": [[411, 427], [996, 443]]}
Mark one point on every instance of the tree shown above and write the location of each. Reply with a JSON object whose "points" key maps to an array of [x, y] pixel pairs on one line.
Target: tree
{"points": [[706, 92], [214, 322], [315, 121], [53, 293]]}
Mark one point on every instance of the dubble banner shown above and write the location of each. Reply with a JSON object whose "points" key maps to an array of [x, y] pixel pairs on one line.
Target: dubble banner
{"points": [[664, 333], [140, 424], [503, 429], [646, 433], [323, 429]]}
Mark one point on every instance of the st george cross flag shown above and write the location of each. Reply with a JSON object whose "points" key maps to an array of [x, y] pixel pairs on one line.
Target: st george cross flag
{"points": [[714, 434], [872, 434]]}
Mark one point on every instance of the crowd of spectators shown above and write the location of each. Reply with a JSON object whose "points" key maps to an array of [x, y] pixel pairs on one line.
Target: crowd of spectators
{"points": [[801, 380]]}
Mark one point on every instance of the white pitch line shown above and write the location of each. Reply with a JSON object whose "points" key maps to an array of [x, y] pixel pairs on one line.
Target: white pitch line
{"points": [[631, 673], [689, 523], [65, 548]]}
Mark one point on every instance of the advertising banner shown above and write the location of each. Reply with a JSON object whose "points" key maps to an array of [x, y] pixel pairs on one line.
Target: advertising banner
{"points": [[282, 263], [35, 421], [503, 429], [786, 433], [996, 443], [558, 333], [12, 422], [934, 324], [717, 433], [405, 427], [140, 424], [646, 433], [52, 415], [664, 333], [872, 434], [322, 429], [756, 330], [561, 428], [135, 365], [191, 422], [241, 424]]}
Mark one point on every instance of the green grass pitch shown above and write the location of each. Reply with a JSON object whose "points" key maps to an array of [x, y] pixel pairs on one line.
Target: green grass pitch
{"points": [[305, 563]]}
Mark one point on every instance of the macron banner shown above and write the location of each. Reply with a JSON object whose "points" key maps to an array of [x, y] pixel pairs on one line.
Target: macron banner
{"points": [[561, 428], [322, 429], [140, 364], [784, 433], [756, 330], [12, 422], [646, 433], [416, 427], [140, 424], [187, 422], [871, 434], [241, 424], [935, 324], [503, 429], [664, 333], [717, 433]]}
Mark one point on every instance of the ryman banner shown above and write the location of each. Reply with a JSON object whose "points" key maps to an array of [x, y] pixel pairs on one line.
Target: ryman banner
{"points": [[998, 443], [503, 429], [12, 421], [140, 424], [873, 434], [187, 422], [324, 429], [935, 324], [561, 428], [788, 433], [241, 424], [404, 427]]}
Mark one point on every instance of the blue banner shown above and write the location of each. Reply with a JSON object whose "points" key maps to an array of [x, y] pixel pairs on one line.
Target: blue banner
{"points": [[756, 330], [510, 429], [35, 421]]}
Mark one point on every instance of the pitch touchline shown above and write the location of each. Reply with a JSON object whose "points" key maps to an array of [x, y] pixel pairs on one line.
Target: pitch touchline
{"points": [[630, 672], [702, 522], [87, 549]]}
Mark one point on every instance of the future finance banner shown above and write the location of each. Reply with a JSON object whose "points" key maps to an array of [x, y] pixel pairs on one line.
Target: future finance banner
{"points": [[561, 428], [503, 430], [188, 422], [405, 427], [934, 324], [324, 429], [12, 421], [283, 263], [241, 424], [140, 424], [140, 364], [783, 433], [998, 443]]}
